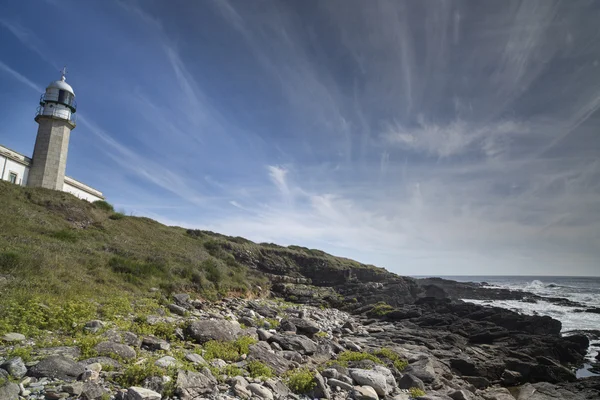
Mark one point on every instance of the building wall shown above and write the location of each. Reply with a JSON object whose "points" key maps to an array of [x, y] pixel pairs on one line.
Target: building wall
{"points": [[8, 165], [76, 188], [50, 153]]}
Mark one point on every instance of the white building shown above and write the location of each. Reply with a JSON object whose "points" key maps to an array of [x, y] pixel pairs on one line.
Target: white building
{"points": [[56, 119]]}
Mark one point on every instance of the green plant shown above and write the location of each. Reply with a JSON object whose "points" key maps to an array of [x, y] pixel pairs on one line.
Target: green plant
{"points": [[117, 216], [348, 355], [321, 334], [22, 351], [258, 369], [391, 355], [416, 392], [301, 380], [135, 374], [103, 205], [224, 350], [243, 344], [231, 370], [86, 344], [66, 235], [380, 309]]}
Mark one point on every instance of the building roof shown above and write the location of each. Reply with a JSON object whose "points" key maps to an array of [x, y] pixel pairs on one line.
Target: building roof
{"points": [[61, 84]]}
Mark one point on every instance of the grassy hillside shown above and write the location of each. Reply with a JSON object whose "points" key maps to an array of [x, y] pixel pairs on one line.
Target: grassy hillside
{"points": [[64, 261]]}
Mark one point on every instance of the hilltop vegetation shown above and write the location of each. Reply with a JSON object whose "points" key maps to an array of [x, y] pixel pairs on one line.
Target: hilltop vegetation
{"points": [[57, 250]]}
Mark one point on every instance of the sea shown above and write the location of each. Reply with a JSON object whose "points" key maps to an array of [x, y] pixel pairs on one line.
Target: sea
{"points": [[584, 290]]}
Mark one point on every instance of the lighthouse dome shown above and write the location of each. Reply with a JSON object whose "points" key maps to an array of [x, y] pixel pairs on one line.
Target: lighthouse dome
{"points": [[61, 85]]}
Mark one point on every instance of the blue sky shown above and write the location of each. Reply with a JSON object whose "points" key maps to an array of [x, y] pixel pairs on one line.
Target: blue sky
{"points": [[428, 137]]}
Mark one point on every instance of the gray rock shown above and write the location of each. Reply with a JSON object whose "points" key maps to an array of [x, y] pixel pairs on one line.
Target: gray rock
{"points": [[71, 352], [304, 325], [276, 346], [261, 352], [389, 377], [401, 396], [343, 385], [212, 329], [460, 395], [92, 391], [301, 344], [352, 346], [9, 391], [498, 394], [291, 355], [422, 369], [371, 378], [260, 391], [479, 382], [57, 367], [175, 309], [511, 378], [15, 367], [278, 388], [13, 337], [94, 326], [166, 362], [126, 337], [74, 388], [365, 393], [110, 348], [409, 380], [263, 334], [182, 299], [247, 321], [139, 393], [191, 384], [196, 359], [321, 391], [287, 326], [155, 344], [156, 383]]}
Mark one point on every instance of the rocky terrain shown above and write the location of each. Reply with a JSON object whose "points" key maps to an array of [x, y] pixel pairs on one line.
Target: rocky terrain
{"points": [[97, 305], [270, 349]]}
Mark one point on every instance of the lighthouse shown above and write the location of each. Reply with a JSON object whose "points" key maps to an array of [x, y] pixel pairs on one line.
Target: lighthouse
{"points": [[55, 117]]}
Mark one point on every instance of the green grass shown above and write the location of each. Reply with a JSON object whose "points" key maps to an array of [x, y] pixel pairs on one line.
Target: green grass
{"points": [[391, 355], [416, 392], [300, 380], [227, 351], [380, 309], [348, 356], [258, 369]]}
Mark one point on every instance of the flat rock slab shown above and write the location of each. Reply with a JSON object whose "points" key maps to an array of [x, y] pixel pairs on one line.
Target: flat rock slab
{"points": [[212, 329], [57, 367], [140, 393], [110, 348]]}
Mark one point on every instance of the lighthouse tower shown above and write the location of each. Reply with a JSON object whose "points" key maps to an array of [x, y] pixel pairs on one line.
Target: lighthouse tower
{"points": [[56, 121]]}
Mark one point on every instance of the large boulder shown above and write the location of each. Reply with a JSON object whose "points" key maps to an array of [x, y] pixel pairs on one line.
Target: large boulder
{"points": [[140, 393], [365, 393], [212, 329], [15, 367], [191, 385], [57, 367], [422, 369], [261, 351], [9, 391], [301, 344], [304, 325], [110, 348], [371, 378]]}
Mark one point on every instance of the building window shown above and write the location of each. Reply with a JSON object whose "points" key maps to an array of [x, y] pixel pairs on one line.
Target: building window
{"points": [[12, 177]]}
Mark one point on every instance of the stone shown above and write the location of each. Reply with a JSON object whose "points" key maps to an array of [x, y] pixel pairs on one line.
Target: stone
{"points": [[196, 359], [401, 396], [182, 299], [71, 352], [422, 369], [260, 391], [156, 383], [155, 344], [301, 344], [261, 352], [287, 326], [102, 361], [166, 362], [110, 348], [365, 393], [9, 391], [408, 381], [371, 378], [278, 388], [92, 391], [211, 329], [247, 321], [263, 334], [13, 337], [74, 388], [511, 378], [191, 384], [343, 385], [459, 395], [140, 393], [57, 367], [479, 382], [15, 367], [175, 309], [94, 326], [321, 391], [387, 373]]}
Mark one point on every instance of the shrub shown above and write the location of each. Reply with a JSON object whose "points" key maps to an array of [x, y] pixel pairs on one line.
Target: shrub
{"points": [[117, 216], [321, 334], [135, 268], [258, 369], [301, 380], [135, 374], [213, 270], [224, 350], [348, 355], [231, 370], [380, 309], [416, 392], [9, 261], [243, 344], [66, 235], [103, 205], [391, 355], [23, 352]]}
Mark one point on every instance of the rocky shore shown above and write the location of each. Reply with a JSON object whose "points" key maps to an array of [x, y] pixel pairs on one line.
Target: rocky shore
{"points": [[427, 347]]}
